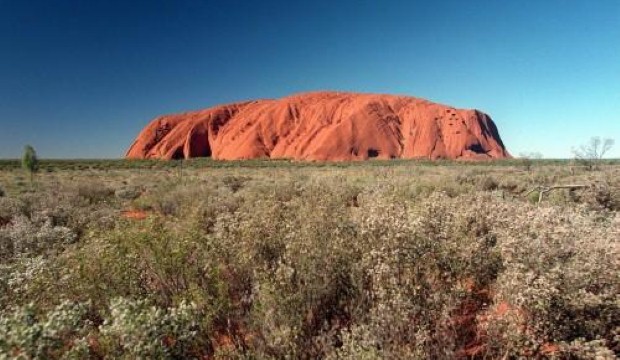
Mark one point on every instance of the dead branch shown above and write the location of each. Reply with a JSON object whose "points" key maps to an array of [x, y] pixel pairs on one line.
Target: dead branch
{"points": [[542, 190]]}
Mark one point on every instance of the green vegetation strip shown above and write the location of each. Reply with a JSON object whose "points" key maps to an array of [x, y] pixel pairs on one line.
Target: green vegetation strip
{"points": [[102, 164]]}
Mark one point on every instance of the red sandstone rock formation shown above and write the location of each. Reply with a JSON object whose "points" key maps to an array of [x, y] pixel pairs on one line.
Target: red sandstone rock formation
{"points": [[331, 126]]}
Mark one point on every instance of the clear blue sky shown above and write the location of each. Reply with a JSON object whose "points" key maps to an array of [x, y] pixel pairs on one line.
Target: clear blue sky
{"points": [[80, 78]]}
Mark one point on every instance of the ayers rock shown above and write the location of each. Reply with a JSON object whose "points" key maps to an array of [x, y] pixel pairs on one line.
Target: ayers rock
{"points": [[330, 126]]}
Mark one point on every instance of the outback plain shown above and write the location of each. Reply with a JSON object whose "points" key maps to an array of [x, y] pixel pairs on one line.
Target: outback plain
{"points": [[277, 259]]}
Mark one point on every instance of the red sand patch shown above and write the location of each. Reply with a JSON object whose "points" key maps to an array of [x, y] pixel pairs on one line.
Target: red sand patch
{"points": [[549, 349], [470, 317], [134, 214], [502, 308], [470, 338], [224, 341]]}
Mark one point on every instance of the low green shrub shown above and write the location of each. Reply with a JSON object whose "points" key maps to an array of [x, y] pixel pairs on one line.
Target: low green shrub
{"points": [[488, 183], [128, 193], [533, 197], [94, 192], [235, 183]]}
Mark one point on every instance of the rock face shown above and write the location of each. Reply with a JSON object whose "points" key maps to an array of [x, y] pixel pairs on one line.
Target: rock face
{"points": [[323, 126]]}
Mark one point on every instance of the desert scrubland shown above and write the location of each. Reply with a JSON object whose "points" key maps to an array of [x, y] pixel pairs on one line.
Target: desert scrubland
{"points": [[256, 260]]}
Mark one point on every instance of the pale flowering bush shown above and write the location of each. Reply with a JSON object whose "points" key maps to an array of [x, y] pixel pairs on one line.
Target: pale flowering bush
{"points": [[560, 279], [31, 237], [130, 329], [128, 192], [603, 195], [594, 349], [302, 253], [417, 258], [24, 333], [136, 329], [60, 207], [93, 192], [358, 343], [9, 208], [17, 277]]}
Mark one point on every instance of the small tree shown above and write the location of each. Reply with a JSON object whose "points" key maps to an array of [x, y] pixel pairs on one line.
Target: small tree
{"points": [[30, 161], [526, 159], [591, 153]]}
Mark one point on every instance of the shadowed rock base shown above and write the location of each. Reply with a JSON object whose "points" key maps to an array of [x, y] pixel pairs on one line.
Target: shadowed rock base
{"points": [[323, 126]]}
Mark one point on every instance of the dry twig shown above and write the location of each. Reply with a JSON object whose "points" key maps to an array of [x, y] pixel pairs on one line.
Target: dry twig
{"points": [[542, 190]]}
